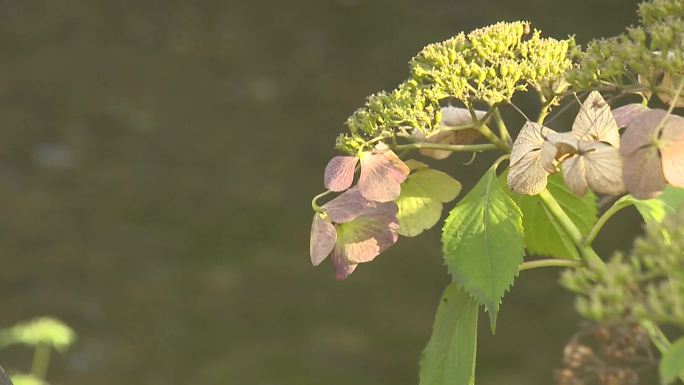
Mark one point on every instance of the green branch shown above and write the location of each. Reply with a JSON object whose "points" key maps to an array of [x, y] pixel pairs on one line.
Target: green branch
{"points": [[588, 254], [550, 263], [617, 206], [448, 147], [482, 128]]}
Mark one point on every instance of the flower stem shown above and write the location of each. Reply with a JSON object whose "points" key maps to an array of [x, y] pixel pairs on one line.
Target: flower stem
{"points": [[503, 130], [657, 337], [545, 110], [550, 263], [448, 147], [314, 201], [482, 128], [617, 206], [588, 254], [41, 361]]}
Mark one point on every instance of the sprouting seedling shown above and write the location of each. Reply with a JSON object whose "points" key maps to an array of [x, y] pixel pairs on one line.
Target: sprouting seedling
{"points": [[44, 334]]}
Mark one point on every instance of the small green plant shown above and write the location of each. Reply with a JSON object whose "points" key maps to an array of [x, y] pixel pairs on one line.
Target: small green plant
{"points": [[42, 334], [538, 204]]}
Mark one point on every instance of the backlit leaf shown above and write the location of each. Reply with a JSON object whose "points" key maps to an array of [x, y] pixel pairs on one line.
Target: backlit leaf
{"points": [[483, 243], [421, 198], [672, 363], [449, 357], [655, 210], [544, 236]]}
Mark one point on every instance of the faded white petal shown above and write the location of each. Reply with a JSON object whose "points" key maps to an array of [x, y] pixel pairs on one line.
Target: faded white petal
{"points": [[595, 121], [603, 165], [527, 175], [597, 166], [556, 148], [574, 174]]}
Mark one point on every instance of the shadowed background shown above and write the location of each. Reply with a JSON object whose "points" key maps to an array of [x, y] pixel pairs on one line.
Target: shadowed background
{"points": [[157, 160]]}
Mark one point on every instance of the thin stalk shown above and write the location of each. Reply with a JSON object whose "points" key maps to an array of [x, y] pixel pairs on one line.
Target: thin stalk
{"points": [[492, 138], [448, 147], [545, 110], [487, 133], [503, 130], [588, 254], [550, 263], [617, 206], [314, 201], [41, 361], [658, 338], [673, 102]]}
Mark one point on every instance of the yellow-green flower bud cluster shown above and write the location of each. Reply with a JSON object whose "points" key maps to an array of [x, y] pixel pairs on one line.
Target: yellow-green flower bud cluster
{"points": [[487, 65], [647, 285], [644, 51]]}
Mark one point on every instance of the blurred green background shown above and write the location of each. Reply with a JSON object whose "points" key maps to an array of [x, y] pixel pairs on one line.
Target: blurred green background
{"points": [[157, 160]]}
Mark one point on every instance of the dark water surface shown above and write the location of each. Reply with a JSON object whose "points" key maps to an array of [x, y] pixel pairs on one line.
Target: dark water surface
{"points": [[157, 159]]}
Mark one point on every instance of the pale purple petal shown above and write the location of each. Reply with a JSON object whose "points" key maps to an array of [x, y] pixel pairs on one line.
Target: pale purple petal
{"points": [[323, 238], [643, 169], [643, 173], [625, 114], [672, 150], [347, 206], [342, 268], [362, 239], [339, 173], [381, 175]]}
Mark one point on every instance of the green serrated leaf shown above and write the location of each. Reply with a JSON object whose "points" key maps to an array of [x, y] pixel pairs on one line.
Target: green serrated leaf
{"points": [[672, 363], [483, 242], [421, 198], [449, 357], [543, 234], [654, 210]]}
